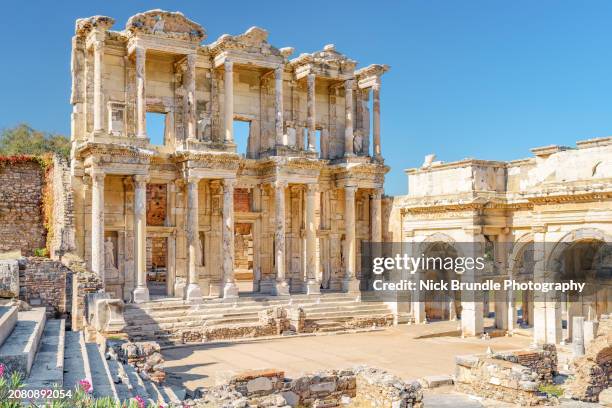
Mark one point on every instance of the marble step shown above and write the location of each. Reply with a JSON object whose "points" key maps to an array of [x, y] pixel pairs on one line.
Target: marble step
{"points": [[76, 361], [103, 384], [8, 320], [48, 367], [120, 379], [138, 387], [19, 349]]}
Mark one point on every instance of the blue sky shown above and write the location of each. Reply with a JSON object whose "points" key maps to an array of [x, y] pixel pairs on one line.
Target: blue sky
{"points": [[485, 79]]}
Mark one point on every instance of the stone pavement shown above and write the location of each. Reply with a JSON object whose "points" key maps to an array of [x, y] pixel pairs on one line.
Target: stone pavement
{"points": [[407, 351]]}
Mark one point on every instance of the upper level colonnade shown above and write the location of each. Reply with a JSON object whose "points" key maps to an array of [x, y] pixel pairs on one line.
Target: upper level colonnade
{"points": [[314, 105]]}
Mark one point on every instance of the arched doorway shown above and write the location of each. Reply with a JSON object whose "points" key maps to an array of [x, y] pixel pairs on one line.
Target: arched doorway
{"points": [[440, 304]]}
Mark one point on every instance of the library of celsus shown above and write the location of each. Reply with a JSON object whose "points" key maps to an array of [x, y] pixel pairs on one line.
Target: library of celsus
{"points": [[194, 213]]}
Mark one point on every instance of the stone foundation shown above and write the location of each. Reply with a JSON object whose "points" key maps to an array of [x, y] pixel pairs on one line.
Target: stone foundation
{"points": [[513, 377], [45, 282], [329, 388]]}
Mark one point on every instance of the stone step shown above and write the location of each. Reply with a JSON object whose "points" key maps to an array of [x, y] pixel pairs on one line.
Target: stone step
{"points": [[120, 379], [8, 320], [103, 385], [347, 314], [48, 367], [138, 387], [76, 361], [19, 349], [187, 310]]}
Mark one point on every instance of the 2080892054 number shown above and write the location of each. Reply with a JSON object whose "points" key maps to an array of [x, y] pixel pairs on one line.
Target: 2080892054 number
{"points": [[42, 393]]}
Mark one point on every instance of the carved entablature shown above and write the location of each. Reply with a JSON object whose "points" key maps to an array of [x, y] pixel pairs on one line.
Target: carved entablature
{"points": [[327, 63], [365, 175], [369, 76], [249, 48], [167, 24]]}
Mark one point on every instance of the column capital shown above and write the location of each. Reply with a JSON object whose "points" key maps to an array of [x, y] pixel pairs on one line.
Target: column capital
{"points": [[229, 183], [97, 176], [376, 194], [278, 72], [349, 84], [312, 188], [228, 65], [140, 51], [351, 189], [280, 184], [310, 79], [141, 178], [376, 84]]}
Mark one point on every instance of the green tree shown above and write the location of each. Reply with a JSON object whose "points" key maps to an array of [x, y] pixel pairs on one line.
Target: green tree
{"points": [[23, 139]]}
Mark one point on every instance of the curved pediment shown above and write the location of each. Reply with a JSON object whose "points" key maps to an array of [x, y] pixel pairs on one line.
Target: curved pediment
{"points": [[327, 61], [165, 24], [85, 25], [253, 40]]}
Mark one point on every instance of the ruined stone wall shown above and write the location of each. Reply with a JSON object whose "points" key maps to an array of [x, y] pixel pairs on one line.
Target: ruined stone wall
{"points": [[21, 218], [63, 237], [45, 283]]}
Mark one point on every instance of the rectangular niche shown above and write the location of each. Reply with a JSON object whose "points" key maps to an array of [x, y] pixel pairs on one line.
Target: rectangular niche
{"points": [[116, 118], [157, 199]]}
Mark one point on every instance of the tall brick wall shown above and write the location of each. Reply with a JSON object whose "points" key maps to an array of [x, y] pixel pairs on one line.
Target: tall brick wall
{"points": [[63, 239], [21, 218]]}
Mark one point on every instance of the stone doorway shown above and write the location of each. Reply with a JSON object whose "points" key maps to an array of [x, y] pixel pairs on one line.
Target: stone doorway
{"points": [[157, 266], [243, 256]]}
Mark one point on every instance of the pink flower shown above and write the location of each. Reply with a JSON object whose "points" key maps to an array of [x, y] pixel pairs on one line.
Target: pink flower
{"points": [[2, 368], [140, 401], [85, 385]]}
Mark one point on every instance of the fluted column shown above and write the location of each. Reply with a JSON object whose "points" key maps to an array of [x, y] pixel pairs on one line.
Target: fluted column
{"points": [[281, 288], [278, 105], [190, 97], [194, 293], [141, 292], [376, 119], [313, 286], [310, 104], [141, 103], [230, 289], [228, 109], [348, 111], [350, 284], [97, 223], [98, 98]]}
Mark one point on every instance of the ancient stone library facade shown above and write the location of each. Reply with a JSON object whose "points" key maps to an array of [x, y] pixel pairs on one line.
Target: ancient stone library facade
{"points": [[192, 214]]}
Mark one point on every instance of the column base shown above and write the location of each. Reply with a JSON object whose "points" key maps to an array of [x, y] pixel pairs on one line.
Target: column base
{"points": [[350, 285], [313, 288], [140, 295], [194, 293], [281, 288], [230, 290]]}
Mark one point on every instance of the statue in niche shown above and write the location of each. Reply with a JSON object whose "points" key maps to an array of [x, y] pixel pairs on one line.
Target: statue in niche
{"points": [[159, 25], [204, 126], [358, 143], [109, 255], [200, 258]]}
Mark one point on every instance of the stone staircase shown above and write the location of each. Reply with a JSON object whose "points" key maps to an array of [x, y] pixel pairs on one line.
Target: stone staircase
{"points": [[49, 357], [165, 320]]}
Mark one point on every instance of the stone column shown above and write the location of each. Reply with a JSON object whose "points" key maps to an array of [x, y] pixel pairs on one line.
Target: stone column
{"points": [[98, 98], [141, 292], [281, 288], [228, 108], [376, 119], [230, 289], [97, 223], [376, 216], [190, 97], [141, 102], [194, 293], [278, 105], [418, 297], [578, 336], [313, 286], [350, 283], [510, 296], [472, 322], [310, 104], [348, 125]]}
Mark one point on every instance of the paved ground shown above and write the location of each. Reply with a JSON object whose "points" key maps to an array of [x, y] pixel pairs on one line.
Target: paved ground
{"points": [[407, 351]]}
